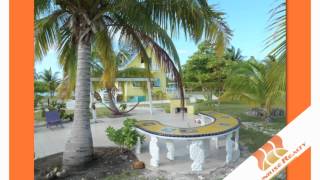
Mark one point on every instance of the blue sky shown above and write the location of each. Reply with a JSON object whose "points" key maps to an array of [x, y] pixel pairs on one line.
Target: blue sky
{"points": [[247, 18]]}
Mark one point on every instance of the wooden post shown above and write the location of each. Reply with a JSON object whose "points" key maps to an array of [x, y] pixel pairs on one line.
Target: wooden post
{"points": [[150, 96]]}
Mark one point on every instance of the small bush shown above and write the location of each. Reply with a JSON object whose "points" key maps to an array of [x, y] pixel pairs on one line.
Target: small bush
{"points": [[159, 95], [68, 116], [125, 137], [37, 100], [123, 107]]}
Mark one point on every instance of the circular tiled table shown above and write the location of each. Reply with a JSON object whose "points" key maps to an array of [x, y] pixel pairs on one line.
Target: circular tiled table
{"points": [[213, 126]]}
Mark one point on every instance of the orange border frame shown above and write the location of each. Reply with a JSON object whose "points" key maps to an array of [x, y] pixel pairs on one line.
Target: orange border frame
{"points": [[299, 75], [21, 90], [21, 83]]}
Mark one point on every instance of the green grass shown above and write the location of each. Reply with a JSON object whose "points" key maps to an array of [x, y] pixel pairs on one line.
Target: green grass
{"points": [[102, 112], [252, 139], [238, 110], [235, 109], [165, 107]]}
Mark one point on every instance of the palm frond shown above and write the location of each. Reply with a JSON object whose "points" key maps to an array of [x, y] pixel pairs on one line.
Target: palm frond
{"points": [[47, 33], [42, 7], [107, 57], [277, 40]]}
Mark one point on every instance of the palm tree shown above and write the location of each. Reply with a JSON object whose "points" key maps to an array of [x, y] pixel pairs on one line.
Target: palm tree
{"points": [[108, 71], [278, 43], [124, 55], [51, 80], [36, 76], [249, 82], [233, 54], [76, 27]]}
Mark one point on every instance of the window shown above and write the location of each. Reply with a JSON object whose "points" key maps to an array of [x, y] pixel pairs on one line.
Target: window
{"points": [[156, 83]]}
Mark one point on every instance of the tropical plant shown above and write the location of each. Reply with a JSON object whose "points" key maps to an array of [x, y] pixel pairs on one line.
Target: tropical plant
{"points": [[248, 82], [68, 116], [123, 106], [159, 95], [233, 54], [277, 42], [124, 55], [206, 72], [35, 75], [40, 87], [78, 27], [109, 72], [58, 106], [126, 136], [51, 80], [37, 100]]}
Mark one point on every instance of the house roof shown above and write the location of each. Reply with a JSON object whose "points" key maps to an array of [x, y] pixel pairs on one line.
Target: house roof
{"points": [[125, 66]]}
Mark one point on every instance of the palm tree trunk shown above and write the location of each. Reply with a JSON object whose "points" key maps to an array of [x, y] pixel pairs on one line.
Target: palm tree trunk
{"points": [[112, 104], [79, 147]]}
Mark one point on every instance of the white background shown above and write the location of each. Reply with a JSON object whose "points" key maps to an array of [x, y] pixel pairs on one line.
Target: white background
{"points": [[4, 92], [315, 71]]}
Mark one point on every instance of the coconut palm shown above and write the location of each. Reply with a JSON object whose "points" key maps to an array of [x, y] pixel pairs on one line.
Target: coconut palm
{"points": [[36, 76], [277, 40], [233, 54], [278, 44], [248, 82], [51, 80], [76, 27], [108, 71]]}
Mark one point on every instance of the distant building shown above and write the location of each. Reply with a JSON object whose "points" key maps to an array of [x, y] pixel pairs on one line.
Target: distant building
{"points": [[133, 89]]}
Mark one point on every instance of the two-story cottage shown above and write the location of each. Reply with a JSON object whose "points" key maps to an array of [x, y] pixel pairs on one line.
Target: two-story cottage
{"points": [[132, 90]]}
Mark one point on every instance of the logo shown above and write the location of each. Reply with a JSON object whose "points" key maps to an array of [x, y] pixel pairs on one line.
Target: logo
{"points": [[270, 153], [273, 157]]}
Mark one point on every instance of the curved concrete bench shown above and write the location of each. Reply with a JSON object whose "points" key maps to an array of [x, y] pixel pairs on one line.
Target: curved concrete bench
{"points": [[217, 125]]}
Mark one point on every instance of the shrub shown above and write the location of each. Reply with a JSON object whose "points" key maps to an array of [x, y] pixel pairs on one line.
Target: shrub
{"points": [[68, 116], [125, 137], [43, 110], [123, 107], [37, 100], [159, 95]]}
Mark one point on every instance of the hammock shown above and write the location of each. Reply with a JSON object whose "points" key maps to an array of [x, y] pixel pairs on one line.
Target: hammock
{"points": [[98, 98]]}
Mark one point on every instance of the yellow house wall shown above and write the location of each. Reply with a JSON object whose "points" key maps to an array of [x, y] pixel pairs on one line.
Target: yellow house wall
{"points": [[138, 91]]}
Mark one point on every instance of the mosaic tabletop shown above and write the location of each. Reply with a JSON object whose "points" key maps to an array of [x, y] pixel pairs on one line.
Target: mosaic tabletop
{"points": [[223, 124]]}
